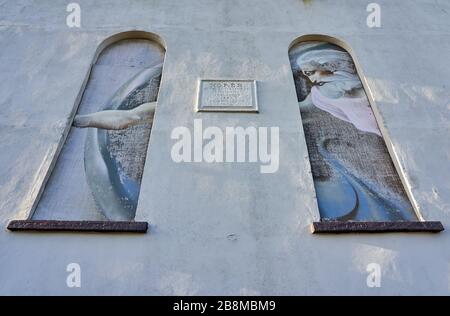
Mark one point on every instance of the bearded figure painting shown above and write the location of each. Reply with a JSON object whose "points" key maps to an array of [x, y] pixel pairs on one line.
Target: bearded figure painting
{"points": [[354, 176]]}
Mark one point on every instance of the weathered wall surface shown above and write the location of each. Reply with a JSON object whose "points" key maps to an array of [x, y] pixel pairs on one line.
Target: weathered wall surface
{"points": [[225, 228]]}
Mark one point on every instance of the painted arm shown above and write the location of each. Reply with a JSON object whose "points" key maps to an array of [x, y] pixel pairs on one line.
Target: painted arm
{"points": [[116, 119]]}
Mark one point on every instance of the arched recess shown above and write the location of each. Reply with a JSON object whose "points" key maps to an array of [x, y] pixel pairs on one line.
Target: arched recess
{"points": [[98, 172], [355, 177]]}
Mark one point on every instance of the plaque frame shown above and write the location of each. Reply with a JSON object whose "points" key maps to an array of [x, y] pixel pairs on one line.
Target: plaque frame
{"points": [[250, 108]]}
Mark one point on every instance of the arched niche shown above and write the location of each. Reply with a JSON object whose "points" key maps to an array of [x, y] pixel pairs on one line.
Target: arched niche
{"points": [[354, 175], [97, 175]]}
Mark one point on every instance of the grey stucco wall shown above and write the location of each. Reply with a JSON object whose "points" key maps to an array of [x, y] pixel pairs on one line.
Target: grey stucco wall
{"points": [[225, 228]]}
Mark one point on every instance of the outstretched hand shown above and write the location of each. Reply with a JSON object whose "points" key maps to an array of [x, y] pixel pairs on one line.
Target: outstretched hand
{"points": [[116, 119]]}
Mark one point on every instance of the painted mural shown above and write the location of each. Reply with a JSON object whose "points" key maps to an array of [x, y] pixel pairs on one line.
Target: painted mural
{"points": [[354, 177], [116, 144], [99, 171]]}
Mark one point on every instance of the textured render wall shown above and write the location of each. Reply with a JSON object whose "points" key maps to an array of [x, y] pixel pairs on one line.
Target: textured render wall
{"points": [[225, 228]]}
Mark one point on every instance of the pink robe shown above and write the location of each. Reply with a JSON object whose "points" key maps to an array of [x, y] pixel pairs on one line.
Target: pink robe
{"points": [[356, 111]]}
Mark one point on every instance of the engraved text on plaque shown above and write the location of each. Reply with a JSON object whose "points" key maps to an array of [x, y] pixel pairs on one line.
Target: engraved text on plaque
{"points": [[227, 95]]}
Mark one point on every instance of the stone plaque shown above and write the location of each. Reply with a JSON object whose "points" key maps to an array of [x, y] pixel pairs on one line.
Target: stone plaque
{"points": [[227, 96]]}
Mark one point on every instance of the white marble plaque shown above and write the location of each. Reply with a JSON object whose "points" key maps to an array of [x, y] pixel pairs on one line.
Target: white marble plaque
{"points": [[227, 96]]}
